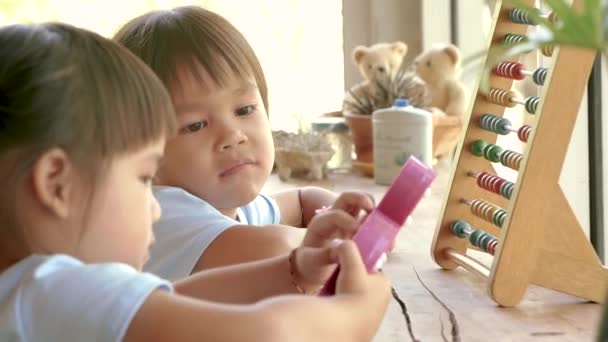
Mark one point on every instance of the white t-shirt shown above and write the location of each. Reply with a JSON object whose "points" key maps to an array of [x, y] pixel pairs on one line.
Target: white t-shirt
{"points": [[58, 298], [188, 225]]}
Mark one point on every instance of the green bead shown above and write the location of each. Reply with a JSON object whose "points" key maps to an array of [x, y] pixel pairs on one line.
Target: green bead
{"points": [[492, 153], [477, 147], [460, 228], [474, 237], [485, 239], [499, 217]]}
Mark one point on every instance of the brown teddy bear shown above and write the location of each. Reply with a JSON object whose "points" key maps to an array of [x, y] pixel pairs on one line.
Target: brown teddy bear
{"points": [[384, 79], [379, 62], [439, 67]]}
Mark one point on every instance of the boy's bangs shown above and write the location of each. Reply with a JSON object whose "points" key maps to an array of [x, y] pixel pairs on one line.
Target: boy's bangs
{"points": [[131, 106], [195, 39]]}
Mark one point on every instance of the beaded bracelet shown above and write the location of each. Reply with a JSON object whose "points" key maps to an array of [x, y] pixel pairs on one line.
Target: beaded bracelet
{"points": [[292, 271]]}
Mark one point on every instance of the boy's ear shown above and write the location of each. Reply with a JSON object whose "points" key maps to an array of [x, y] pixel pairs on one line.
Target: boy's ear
{"points": [[52, 181]]}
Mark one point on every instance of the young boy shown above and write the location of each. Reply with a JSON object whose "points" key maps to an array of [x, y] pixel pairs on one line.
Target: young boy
{"points": [[210, 181]]}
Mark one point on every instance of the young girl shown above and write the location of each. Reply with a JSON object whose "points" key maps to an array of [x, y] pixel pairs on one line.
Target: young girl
{"points": [[223, 153], [82, 129]]}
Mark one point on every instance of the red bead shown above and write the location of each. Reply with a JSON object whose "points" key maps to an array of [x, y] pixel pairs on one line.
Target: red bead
{"points": [[490, 182], [492, 246], [523, 133], [509, 70]]}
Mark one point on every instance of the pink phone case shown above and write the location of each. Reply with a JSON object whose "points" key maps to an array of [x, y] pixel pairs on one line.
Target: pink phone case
{"points": [[381, 227]]}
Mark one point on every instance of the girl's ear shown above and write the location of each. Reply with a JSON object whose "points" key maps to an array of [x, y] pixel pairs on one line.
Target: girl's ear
{"points": [[53, 181]]}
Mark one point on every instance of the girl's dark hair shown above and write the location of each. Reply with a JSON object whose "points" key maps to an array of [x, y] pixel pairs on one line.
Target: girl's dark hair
{"points": [[192, 37], [66, 87]]}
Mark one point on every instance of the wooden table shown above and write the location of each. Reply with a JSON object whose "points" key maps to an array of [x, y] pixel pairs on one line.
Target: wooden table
{"points": [[431, 294]]}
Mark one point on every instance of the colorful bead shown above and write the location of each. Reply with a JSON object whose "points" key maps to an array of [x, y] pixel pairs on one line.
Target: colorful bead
{"points": [[477, 147], [506, 189], [502, 97], [553, 18], [532, 103], [478, 238], [509, 70], [495, 184], [499, 217], [494, 124], [539, 75], [521, 16], [511, 159], [523, 133], [489, 212], [511, 39], [492, 152], [460, 228]]}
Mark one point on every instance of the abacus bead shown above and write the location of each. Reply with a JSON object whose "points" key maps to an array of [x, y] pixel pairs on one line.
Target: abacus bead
{"points": [[502, 97], [506, 190], [523, 133], [513, 39], [477, 147], [540, 75], [492, 247], [494, 123], [553, 18], [520, 16], [532, 103], [499, 217], [484, 241], [460, 228], [509, 70], [498, 185], [474, 237], [492, 153]]}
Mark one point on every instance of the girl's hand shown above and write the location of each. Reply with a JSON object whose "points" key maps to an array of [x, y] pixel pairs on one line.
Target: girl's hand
{"points": [[315, 259], [321, 232], [367, 294]]}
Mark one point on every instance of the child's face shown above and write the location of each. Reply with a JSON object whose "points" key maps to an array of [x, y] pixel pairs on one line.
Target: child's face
{"points": [[121, 210], [223, 152]]}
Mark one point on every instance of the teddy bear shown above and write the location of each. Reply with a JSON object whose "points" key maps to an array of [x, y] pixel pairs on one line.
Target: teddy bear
{"points": [[439, 67], [377, 64], [384, 79]]}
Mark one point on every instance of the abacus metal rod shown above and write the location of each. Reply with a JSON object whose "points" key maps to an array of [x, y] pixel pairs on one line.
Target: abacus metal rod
{"points": [[470, 264]]}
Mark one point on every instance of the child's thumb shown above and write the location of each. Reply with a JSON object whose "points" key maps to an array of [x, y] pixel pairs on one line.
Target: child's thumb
{"points": [[352, 269], [318, 256]]}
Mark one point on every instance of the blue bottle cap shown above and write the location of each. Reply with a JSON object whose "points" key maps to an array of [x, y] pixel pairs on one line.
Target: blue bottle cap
{"points": [[401, 103]]}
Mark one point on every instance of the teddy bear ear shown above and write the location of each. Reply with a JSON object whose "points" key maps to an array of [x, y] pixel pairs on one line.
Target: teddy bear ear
{"points": [[358, 53], [399, 47], [453, 52]]}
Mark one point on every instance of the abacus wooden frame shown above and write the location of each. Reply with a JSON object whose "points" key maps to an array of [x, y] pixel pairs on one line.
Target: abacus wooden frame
{"points": [[541, 241]]}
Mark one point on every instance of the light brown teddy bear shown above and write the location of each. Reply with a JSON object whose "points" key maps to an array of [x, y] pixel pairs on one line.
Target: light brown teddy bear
{"points": [[439, 67], [384, 80], [379, 62]]}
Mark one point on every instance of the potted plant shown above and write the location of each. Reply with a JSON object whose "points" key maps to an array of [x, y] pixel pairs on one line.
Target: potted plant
{"points": [[364, 98]]}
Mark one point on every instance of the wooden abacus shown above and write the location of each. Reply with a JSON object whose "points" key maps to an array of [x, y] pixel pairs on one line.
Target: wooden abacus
{"points": [[528, 226]]}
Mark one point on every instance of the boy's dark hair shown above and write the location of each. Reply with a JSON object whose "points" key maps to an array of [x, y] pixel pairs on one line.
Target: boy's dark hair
{"points": [[192, 37]]}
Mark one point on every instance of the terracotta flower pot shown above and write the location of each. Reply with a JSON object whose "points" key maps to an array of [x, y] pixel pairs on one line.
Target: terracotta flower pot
{"points": [[362, 133]]}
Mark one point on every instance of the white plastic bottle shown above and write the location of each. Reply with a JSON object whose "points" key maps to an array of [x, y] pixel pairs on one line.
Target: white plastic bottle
{"points": [[400, 131]]}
